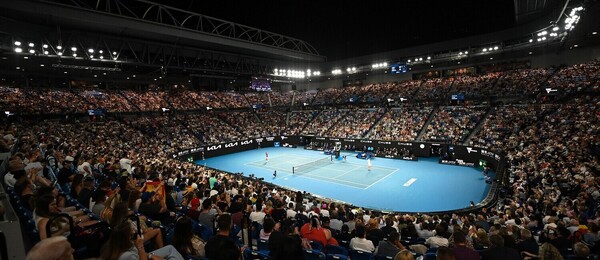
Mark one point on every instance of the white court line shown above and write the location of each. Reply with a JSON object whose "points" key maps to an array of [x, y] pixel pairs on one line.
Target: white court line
{"points": [[381, 179], [334, 182], [346, 172]]}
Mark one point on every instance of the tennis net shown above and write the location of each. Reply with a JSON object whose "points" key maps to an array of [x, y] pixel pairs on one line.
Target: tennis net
{"points": [[311, 166]]}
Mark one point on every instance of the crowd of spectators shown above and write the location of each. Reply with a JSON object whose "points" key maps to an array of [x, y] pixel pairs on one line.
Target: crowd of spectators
{"points": [[304, 97], [400, 124], [258, 98], [246, 122], [147, 100], [548, 209], [578, 77], [453, 124], [328, 96], [503, 80], [434, 89], [273, 122], [210, 129], [282, 99], [298, 119], [476, 86], [521, 82], [323, 122], [355, 124], [233, 99]]}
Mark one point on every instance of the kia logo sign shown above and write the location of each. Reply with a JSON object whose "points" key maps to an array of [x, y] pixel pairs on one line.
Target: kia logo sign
{"points": [[214, 147]]}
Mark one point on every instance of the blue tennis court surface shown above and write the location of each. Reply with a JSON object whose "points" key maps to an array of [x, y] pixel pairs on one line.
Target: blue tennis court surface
{"points": [[393, 185]]}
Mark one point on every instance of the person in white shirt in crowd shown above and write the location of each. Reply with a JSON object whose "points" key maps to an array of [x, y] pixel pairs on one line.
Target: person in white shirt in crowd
{"points": [[360, 242], [438, 240], [290, 212], [258, 215]]}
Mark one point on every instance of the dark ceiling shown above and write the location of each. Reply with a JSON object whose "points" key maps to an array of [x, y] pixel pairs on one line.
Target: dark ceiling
{"points": [[343, 29]]}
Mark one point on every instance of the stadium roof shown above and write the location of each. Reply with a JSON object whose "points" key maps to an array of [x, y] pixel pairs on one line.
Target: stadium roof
{"points": [[344, 29]]}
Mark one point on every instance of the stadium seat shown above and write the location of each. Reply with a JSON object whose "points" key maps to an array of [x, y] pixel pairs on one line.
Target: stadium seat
{"points": [[250, 254], [316, 246], [204, 232], [360, 255], [336, 250], [430, 256], [313, 255], [383, 257], [263, 245], [337, 257]]}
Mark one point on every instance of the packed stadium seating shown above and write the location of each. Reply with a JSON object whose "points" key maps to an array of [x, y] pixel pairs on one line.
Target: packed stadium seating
{"points": [[551, 147]]}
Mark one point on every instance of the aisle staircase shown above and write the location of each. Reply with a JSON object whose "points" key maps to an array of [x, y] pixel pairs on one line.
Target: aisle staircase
{"points": [[429, 118]]}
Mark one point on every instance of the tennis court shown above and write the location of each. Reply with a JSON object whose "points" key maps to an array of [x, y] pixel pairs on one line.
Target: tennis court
{"points": [[326, 169], [391, 185]]}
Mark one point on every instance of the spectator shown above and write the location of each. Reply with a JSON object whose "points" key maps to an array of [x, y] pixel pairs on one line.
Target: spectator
{"points": [[444, 253], [498, 251], [221, 246], [360, 242], [404, 255], [391, 246], [461, 251], [185, 241], [124, 243], [54, 248]]}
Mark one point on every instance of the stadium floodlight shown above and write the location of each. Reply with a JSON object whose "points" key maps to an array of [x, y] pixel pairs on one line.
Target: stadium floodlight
{"points": [[115, 58], [74, 54], [353, 69], [59, 53], [408, 61], [31, 44], [101, 57], [17, 43], [594, 33], [73, 48], [466, 52], [18, 68], [134, 75], [544, 38], [385, 64], [460, 53], [420, 59], [41, 65], [66, 72], [18, 50], [91, 50], [429, 57], [32, 51], [91, 56], [45, 46], [530, 40], [58, 47], [575, 45], [100, 51], [114, 53], [555, 28], [484, 49], [495, 48], [46, 52]]}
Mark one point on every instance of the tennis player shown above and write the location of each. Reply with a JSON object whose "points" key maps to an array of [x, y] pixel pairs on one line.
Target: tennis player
{"points": [[266, 156], [369, 164]]}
